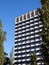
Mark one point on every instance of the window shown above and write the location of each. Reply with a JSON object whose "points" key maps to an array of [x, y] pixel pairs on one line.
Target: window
{"points": [[32, 14], [17, 19], [24, 16], [21, 18], [28, 15], [36, 12]]}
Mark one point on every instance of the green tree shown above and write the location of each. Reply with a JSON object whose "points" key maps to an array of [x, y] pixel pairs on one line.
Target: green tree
{"points": [[2, 39], [44, 11], [33, 59]]}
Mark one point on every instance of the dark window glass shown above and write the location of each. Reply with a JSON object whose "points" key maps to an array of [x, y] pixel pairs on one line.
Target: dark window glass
{"points": [[36, 12], [28, 15], [21, 18], [32, 14], [17, 19], [24, 16]]}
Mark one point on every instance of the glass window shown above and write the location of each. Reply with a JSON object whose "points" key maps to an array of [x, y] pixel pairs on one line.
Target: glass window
{"points": [[24, 16], [17, 19], [36, 12], [32, 14], [21, 18], [28, 15]]}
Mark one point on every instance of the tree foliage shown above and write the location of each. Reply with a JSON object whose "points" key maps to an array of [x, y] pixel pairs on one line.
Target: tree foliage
{"points": [[33, 59], [2, 39], [45, 30], [45, 20]]}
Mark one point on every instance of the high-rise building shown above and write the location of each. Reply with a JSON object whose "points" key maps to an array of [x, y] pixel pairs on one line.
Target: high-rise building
{"points": [[27, 38]]}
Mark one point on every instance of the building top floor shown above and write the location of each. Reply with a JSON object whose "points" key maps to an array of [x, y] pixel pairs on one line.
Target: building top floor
{"points": [[27, 16]]}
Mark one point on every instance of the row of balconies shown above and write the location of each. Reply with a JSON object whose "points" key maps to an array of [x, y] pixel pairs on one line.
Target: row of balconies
{"points": [[29, 24], [35, 29], [30, 34], [37, 38]]}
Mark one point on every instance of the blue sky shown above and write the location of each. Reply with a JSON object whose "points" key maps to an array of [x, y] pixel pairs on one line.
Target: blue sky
{"points": [[9, 9]]}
